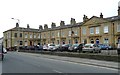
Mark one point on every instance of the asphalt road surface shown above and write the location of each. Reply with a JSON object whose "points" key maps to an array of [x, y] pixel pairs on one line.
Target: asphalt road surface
{"points": [[16, 62]]}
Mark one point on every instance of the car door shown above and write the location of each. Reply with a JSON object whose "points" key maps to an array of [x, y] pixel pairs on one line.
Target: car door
{"points": [[95, 47]]}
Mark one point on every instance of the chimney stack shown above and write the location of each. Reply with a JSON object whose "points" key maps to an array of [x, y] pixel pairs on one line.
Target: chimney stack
{"points": [[62, 23], [40, 27], [118, 10], [72, 21], [17, 25], [28, 26], [101, 15], [85, 18], [45, 26], [53, 25]]}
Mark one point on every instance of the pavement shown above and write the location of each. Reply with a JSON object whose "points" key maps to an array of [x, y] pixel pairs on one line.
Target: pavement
{"points": [[107, 64]]}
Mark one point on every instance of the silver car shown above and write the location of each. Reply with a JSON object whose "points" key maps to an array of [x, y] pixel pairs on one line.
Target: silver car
{"points": [[91, 48], [51, 47]]}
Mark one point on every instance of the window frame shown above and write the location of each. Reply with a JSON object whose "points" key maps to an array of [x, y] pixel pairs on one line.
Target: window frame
{"points": [[15, 35], [83, 30], [92, 30], [20, 35], [97, 30], [106, 30], [118, 28], [30, 35]]}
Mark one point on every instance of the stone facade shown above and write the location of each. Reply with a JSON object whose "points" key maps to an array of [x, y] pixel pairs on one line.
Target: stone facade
{"points": [[91, 30]]}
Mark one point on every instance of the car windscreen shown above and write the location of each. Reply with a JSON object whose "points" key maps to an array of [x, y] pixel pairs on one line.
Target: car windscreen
{"points": [[87, 45], [52, 45], [75, 45]]}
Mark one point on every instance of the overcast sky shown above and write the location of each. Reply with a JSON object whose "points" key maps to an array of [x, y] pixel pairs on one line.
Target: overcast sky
{"points": [[40, 12]]}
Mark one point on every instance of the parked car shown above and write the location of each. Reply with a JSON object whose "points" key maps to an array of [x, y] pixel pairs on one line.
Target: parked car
{"points": [[91, 48], [45, 47], [118, 49], [65, 47], [76, 47], [105, 47], [80, 47], [5, 50], [73, 47], [58, 47], [38, 47], [30, 48], [1, 52], [52, 47]]}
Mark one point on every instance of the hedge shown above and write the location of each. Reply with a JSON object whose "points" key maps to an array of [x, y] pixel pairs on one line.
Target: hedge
{"points": [[114, 58]]}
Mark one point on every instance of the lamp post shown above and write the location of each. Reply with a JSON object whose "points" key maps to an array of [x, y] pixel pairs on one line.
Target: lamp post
{"points": [[18, 21]]}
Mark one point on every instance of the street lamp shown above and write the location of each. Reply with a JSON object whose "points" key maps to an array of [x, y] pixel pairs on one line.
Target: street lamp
{"points": [[18, 21]]}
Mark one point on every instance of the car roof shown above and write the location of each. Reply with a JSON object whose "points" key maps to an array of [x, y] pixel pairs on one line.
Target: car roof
{"points": [[89, 44]]}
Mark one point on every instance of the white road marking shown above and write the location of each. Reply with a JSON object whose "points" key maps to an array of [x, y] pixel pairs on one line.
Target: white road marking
{"points": [[81, 64], [57, 71], [54, 59]]}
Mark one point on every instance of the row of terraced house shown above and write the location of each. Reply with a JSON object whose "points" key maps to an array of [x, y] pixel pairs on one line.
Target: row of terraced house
{"points": [[92, 30]]}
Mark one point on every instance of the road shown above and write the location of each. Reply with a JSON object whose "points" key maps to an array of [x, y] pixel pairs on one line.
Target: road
{"points": [[16, 62]]}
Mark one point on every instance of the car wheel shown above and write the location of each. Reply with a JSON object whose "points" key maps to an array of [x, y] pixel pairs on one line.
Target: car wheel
{"points": [[93, 51], [100, 51], [83, 51]]}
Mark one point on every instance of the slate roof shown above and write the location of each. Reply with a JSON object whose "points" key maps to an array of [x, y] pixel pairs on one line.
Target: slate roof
{"points": [[113, 18], [49, 29]]}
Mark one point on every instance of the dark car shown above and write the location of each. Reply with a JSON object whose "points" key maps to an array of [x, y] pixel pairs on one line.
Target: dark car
{"points": [[64, 47], [80, 47], [39, 47], [30, 48], [76, 47]]}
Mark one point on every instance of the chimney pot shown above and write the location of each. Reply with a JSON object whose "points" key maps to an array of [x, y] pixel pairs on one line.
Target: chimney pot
{"points": [[62, 23], [101, 15], [28, 26]]}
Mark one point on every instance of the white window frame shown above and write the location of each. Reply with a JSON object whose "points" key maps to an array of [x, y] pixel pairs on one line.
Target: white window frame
{"points": [[58, 34], [26, 44], [84, 30], [69, 33], [38, 35], [53, 35], [118, 28], [34, 35], [63, 34], [25, 35], [97, 30], [30, 35], [91, 30], [76, 32], [15, 43], [105, 29]]}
